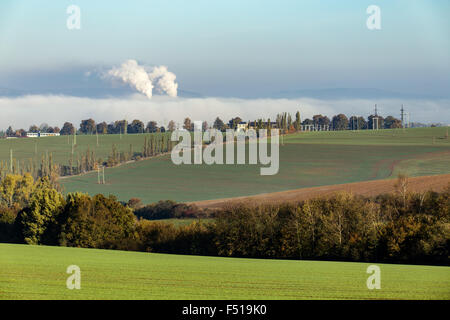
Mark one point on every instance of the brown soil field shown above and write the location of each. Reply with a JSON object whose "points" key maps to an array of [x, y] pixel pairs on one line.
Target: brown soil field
{"points": [[365, 188]]}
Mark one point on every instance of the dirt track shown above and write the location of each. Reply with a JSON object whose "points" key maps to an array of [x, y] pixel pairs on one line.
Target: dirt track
{"points": [[366, 188]]}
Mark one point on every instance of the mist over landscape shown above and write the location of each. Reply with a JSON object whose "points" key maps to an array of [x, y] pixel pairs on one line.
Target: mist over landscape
{"points": [[23, 111]]}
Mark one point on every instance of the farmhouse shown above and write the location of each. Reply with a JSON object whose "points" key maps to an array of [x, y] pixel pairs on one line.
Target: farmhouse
{"points": [[254, 125], [242, 126]]}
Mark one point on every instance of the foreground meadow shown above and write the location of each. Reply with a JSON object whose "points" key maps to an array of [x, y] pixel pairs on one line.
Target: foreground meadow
{"points": [[39, 272]]}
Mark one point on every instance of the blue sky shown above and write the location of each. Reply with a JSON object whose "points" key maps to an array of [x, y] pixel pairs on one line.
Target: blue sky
{"points": [[231, 48]]}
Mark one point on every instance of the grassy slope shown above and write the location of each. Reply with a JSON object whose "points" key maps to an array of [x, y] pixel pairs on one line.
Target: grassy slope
{"points": [[393, 137], [32, 272], [306, 160], [60, 147]]}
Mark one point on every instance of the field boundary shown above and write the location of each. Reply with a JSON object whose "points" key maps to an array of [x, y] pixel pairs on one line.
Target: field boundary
{"points": [[365, 188]]}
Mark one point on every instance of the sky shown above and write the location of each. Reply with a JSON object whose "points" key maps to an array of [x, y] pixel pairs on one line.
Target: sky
{"points": [[252, 49]]}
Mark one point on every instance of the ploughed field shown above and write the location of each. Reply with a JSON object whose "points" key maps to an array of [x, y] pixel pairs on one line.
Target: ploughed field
{"points": [[39, 272], [307, 159], [420, 184]]}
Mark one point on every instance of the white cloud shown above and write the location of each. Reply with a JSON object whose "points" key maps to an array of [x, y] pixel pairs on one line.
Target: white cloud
{"points": [[23, 111]]}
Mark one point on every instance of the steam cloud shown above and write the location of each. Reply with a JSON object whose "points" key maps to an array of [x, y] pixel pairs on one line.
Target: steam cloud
{"points": [[144, 79], [164, 80]]}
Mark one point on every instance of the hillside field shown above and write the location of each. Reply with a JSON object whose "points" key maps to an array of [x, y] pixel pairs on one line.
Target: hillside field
{"points": [[39, 272], [61, 147], [308, 159], [365, 188]]}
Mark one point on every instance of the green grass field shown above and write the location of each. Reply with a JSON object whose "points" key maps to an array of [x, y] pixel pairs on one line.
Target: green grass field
{"points": [[61, 147], [39, 272], [306, 160]]}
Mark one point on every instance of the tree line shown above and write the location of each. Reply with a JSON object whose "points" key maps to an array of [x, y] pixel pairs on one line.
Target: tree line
{"points": [[401, 227], [342, 122], [284, 121]]}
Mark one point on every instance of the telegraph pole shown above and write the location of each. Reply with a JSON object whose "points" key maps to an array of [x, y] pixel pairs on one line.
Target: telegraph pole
{"points": [[375, 119], [402, 113]]}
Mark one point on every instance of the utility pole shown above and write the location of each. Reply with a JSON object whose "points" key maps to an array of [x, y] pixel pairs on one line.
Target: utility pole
{"points": [[103, 174], [375, 119], [402, 113], [10, 160]]}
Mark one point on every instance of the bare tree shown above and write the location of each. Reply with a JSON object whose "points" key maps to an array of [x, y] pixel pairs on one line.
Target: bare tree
{"points": [[401, 187]]}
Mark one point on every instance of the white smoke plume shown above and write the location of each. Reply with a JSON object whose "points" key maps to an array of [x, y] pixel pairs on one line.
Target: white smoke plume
{"points": [[144, 79], [164, 81], [133, 74]]}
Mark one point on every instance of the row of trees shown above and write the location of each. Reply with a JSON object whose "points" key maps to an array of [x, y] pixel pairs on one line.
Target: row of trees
{"points": [[389, 228], [37, 169], [287, 123], [342, 122], [283, 121], [121, 126], [85, 161], [90, 127], [401, 227], [10, 132]]}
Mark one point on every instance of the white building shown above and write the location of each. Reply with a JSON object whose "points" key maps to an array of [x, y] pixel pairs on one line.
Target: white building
{"points": [[42, 134], [242, 126], [32, 134]]}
